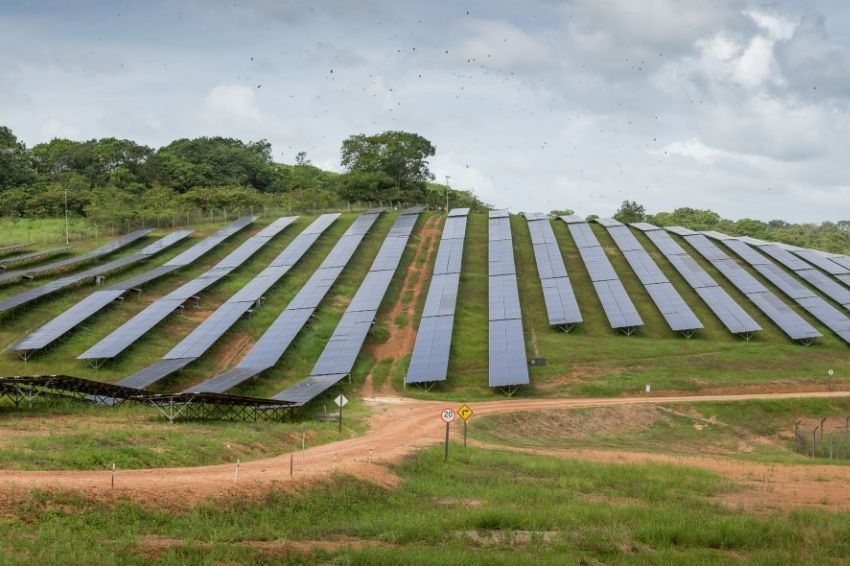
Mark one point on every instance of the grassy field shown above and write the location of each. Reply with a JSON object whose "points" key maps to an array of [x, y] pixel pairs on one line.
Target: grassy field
{"points": [[479, 507], [591, 360], [756, 430]]}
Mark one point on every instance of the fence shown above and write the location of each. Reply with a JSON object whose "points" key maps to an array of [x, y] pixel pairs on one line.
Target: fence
{"points": [[830, 438]]}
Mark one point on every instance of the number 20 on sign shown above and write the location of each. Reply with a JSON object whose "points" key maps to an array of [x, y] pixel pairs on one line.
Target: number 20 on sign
{"points": [[448, 415]]}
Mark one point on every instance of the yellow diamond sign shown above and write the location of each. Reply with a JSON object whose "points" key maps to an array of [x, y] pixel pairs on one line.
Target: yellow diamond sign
{"points": [[464, 412]]}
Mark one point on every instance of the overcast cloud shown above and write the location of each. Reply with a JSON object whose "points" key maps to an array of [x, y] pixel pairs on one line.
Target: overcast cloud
{"points": [[739, 107]]}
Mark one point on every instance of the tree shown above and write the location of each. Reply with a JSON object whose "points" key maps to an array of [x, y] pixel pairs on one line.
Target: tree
{"points": [[629, 212], [15, 167], [401, 156]]}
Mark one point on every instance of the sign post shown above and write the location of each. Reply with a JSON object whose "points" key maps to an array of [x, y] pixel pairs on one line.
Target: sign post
{"points": [[448, 415], [340, 402], [464, 412]]}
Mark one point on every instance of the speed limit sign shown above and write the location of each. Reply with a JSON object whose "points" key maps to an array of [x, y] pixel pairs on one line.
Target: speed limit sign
{"points": [[448, 415]]}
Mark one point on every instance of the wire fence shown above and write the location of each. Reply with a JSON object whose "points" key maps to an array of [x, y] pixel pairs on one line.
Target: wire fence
{"points": [[830, 438]]}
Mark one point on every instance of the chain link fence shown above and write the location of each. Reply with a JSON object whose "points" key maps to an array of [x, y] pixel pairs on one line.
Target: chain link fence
{"points": [[829, 439]]}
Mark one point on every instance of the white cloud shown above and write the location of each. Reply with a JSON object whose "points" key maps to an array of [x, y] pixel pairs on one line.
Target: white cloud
{"points": [[232, 104], [504, 44]]}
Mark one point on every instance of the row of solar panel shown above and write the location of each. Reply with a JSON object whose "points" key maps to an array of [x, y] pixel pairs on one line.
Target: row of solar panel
{"points": [[815, 305], [561, 306], [618, 307], [429, 360], [106, 249], [340, 353], [69, 319], [278, 337], [671, 305], [97, 271], [214, 326], [507, 357], [730, 313]]}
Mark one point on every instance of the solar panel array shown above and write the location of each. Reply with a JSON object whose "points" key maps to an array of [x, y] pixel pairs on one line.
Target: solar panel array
{"points": [[31, 256], [619, 309], [508, 366], [213, 327], [730, 313], [54, 329], [429, 361], [126, 334], [674, 309], [100, 270], [829, 287], [340, 353], [278, 337], [792, 324], [815, 305], [112, 246], [561, 305]]}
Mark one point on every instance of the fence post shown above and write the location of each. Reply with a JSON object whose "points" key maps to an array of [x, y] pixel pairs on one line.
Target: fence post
{"points": [[814, 441]]}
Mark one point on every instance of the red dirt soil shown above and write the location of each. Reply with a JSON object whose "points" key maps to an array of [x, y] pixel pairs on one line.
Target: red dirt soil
{"points": [[399, 426]]}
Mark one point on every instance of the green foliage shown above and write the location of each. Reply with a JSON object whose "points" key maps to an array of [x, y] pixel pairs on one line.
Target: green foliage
{"points": [[400, 156], [629, 212]]}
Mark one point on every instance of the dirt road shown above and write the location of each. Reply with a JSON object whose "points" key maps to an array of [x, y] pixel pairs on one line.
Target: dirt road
{"points": [[399, 426]]}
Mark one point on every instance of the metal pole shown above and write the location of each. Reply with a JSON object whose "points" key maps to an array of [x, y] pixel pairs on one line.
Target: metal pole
{"points": [[464, 434], [339, 429], [797, 436], [446, 458], [67, 239]]}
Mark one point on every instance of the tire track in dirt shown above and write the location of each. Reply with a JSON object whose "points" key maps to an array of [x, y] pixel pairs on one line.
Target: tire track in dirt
{"points": [[398, 427], [403, 336]]}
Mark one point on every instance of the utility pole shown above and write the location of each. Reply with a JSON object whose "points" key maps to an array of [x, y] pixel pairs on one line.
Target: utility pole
{"points": [[447, 194], [66, 217]]}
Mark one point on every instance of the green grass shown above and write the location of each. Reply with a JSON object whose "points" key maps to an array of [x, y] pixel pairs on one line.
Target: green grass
{"points": [[67, 436], [752, 430], [592, 360], [479, 507]]}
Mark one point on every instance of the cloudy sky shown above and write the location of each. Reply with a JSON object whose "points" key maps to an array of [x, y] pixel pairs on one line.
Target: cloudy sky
{"points": [[739, 107]]}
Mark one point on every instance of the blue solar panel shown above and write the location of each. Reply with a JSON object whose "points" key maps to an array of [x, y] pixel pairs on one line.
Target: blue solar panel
{"points": [[100, 270], [68, 262], [139, 325], [278, 337], [429, 360], [340, 353], [210, 330]]}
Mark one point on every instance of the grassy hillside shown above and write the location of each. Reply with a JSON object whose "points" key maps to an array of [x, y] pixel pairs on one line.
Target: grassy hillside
{"points": [[590, 360]]}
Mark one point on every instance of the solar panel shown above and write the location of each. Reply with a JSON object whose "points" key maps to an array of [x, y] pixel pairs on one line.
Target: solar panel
{"points": [[213, 327], [442, 295], [154, 372], [821, 262], [64, 282], [730, 313], [429, 360], [121, 338], [459, 212], [794, 326], [785, 257], [618, 308], [814, 305], [558, 296], [561, 305], [724, 307], [507, 364], [106, 249], [278, 337], [338, 357]]}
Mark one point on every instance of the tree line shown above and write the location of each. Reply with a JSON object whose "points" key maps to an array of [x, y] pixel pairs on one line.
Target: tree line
{"points": [[118, 180], [826, 236]]}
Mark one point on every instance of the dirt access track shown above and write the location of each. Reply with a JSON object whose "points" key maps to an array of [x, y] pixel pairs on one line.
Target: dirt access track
{"points": [[399, 426]]}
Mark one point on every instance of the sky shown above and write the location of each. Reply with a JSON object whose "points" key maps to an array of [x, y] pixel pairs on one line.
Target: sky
{"points": [[739, 107]]}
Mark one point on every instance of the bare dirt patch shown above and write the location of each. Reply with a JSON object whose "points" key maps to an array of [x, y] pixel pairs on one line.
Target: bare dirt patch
{"points": [[398, 427], [403, 335]]}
